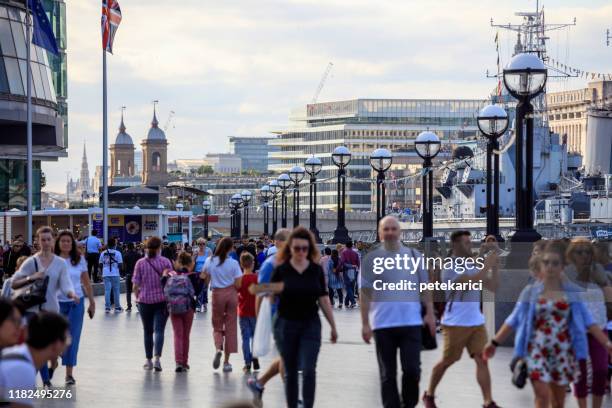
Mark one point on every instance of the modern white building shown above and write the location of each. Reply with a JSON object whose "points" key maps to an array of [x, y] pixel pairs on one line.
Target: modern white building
{"points": [[224, 163], [364, 125]]}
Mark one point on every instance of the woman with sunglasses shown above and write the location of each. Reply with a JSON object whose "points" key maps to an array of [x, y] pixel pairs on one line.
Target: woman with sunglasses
{"points": [[551, 321], [66, 248], [595, 286], [299, 282]]}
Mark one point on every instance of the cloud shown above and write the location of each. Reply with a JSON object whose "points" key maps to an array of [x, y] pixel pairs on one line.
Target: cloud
{"points": [[238, 67]]}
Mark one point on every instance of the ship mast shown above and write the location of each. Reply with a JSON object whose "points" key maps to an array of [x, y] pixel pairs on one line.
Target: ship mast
{"points": [[532, 35]]}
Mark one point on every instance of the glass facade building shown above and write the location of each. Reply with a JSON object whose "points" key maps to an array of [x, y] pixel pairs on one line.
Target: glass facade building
{"points": [[364, 125], [56, 11], [48, 102], [253, 151]]}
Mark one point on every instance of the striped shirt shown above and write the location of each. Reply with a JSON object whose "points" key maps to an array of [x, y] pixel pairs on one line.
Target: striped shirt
{"points": [[147, 275]]}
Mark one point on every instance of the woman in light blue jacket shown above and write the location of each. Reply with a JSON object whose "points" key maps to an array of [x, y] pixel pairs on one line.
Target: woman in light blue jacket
{"points": [[551, 323]]}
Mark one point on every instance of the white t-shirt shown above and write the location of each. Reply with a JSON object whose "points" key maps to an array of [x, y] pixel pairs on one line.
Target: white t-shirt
{"points": [[224, 275], [271, 251], [462, 306], [400, 308], [75, 272], [110, 260], [59, 281], [17, 374]]}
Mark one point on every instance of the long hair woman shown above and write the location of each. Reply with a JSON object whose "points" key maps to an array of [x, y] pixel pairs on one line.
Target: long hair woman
{"points": [[66, 248], [44, 263], [225, 276], [299, 282], [551, 321], [591, 278], [149, 294]]}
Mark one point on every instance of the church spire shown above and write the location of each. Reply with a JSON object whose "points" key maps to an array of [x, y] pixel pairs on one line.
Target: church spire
{"points": [[154, 122], [122, 125]]}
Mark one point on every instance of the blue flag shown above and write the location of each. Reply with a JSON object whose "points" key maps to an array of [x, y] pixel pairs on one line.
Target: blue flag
{"points": [[43, 33]]}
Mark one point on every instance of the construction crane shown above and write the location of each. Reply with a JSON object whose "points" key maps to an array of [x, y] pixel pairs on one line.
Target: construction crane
{"points": [[169, 121], [322, 82]]}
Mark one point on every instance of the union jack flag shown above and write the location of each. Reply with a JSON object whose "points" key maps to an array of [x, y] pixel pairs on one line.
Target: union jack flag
{"points": [[111, 17]]}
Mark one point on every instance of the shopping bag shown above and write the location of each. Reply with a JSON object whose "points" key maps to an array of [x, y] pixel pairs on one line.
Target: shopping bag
{"points": [[262, 340]]}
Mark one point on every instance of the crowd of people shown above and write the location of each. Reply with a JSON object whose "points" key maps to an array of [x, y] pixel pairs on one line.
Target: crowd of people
{"points": [[562, 318]]}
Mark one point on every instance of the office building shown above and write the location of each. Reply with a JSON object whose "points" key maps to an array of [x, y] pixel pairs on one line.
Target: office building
{"points": [[364, 125], [254, 152], [49, 141], [568, 112], [224, 163]]}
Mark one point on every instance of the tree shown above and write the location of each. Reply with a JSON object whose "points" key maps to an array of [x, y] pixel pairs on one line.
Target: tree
{"points": [[205, 169]]}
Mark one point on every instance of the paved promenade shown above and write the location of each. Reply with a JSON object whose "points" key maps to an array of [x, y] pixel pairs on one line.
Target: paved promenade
{"points": [[109, 372]]}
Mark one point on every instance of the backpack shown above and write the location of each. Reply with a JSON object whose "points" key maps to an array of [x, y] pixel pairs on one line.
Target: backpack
{"points": [[179, 293]]}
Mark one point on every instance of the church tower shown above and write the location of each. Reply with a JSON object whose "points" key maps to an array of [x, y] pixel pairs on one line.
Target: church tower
{"points": [[122, 153], [84, 185], [155, 155]]}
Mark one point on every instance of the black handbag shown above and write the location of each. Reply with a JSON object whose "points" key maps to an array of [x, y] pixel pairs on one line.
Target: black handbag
{"points": [[428, 342], [518, 366], [32, 294]]}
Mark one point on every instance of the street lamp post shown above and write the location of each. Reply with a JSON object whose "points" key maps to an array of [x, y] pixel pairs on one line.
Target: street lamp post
{"points": [[206, 205], [296, 174], [265, 192], [275, 188], [427, 146], [341, 157], [246, 198], [232, 216], [493, 123], [524, 78], [284, 181], [236, 201], [380, 160], [313, 166], [179, 208]]}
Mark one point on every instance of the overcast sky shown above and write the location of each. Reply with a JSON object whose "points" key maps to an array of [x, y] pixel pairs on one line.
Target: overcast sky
{"points": [[237, 67]]}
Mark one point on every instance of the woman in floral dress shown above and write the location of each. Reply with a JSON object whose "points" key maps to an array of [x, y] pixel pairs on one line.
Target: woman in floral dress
{"points": [[551, 323]]}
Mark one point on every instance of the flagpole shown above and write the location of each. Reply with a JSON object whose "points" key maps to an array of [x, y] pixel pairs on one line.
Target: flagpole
{"points": [[30, 184], [104, 151]]}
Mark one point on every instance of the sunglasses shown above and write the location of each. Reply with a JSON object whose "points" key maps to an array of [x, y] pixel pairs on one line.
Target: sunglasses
{"points": [[551, 262], [300, 248], [582, 252]]}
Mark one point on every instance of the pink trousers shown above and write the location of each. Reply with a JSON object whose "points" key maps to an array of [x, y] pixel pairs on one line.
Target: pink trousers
{"points": [[181, 324], [224, 319]]}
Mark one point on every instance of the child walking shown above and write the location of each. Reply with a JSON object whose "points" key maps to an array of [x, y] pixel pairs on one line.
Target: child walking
{"points": [[246, 310], [181, 287]]}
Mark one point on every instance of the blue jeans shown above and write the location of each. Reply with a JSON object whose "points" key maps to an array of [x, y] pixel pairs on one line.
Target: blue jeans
{"points": [[299, 342], [74, 313], [247, 330], [112, 283], [202, 298], [350, 292], [154, 317]]}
